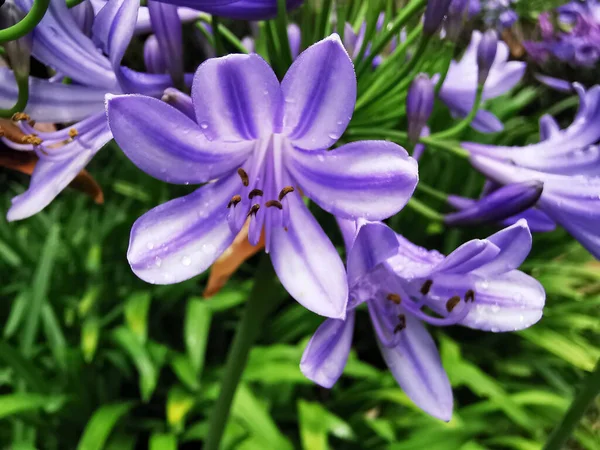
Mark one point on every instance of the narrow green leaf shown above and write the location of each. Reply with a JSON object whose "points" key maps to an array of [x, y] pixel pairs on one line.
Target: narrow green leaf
{"points": [[160, 441], [197, 325], [55, 336], [101, 424], [18, 403], [316, 423], [90, 332], [17, 313], [179, 403], [11, 257], [185, 372], [39, 290], [23, 368], [136, 314]]}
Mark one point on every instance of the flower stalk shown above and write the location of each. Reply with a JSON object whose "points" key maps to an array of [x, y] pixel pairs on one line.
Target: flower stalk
{"points": [[33, 17], [464, 123]]}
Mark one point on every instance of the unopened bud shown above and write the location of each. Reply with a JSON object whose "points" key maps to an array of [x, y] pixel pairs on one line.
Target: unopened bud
{"points": [[457, 13], [434, 15], [19, 50], [486, 54], [419, 105]]}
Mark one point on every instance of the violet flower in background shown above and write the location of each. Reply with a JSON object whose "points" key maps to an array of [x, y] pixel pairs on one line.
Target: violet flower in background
{"points": [[486, 54], [60, 44], [496, 13], [263, 143], [435, 12], [419, 105], [460, 86], [566, 161], [478, 286]]}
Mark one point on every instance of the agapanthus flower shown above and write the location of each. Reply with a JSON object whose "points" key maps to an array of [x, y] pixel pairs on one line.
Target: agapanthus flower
{"points": [[566, 161], [237, 9], [61, 45], [496, 13], [460, 86], [478, 286], [259, 145]]}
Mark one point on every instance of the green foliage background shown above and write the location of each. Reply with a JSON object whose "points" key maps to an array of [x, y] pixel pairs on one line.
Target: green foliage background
{"points": [[93, 358]]}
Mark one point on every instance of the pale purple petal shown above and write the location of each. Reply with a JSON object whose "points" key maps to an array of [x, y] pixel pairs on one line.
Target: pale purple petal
{"points": [[51, 176], [295, 39], [486, 122], [143, 20], [319, 93], [415, 364], [236, 97], [114, 27], [183, 237], [152, 84], [308, 264], [83, 14], [240, 9], [469, 256], [549, 129], [327, 351], [165, 143], [52, 102], [179, 100], [167, 29], [514, 243], [153, 59], [554, 83], [369, 179], [348, 229]]}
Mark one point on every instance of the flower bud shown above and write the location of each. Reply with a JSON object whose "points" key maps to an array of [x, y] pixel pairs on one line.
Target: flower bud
{"points": [[419, 105], [83, 14], [434, 14], [153, 59], [179, 100], [19, 50], [486, 54], [457, 12], [501, 204]]}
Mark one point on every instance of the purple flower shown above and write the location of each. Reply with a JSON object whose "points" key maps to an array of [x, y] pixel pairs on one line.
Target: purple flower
{"points": [[258, 145], [60, 44], [486, 54], [477, 286], [434, 15], [501, 204], [237, 9], [169, 39], [419, 105], [499, 13], [460, 86], [566, 161]]}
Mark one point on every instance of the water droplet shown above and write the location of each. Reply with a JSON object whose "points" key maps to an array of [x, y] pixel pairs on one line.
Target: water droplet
{"points": [[266, 92], [321, 158], [334, 136], [521, 318], [186, 183], [290, 100], [186, 260], [204, 125], [484, 284], [495, 309], [209, 249], [494, 330], [150, 245], [339, 122], [158, 261]]}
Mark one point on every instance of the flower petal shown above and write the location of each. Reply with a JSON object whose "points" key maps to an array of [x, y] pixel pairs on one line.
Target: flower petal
{"points": [[327, 351], [514, 243], [415, 364], [165, 143], [320, 92], [469, 256], [237, 9], [167, 29], [369, 179], [52, 102], [308, 264], [236, 97], [183, 237], [114, 27], [50, 177]]}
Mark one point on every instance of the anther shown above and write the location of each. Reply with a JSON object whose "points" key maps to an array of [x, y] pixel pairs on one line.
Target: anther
{"points": [[426, 286], [31, 139], [470, 296], [244, 176], [253, 210], [73, 132], [234, 201], [274, 203], [402, 323], [451, 304], [285, 191], [394, 298], [255, 193], [20, 116]]}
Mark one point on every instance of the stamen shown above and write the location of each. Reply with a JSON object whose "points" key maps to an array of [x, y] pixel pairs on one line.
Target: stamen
{"points": [[274, 203], [470, 296], [426, 286], [73, 132], [234, 201], [244, 176], [253, 210], [394, 298], [285, 191], [402, 325], [451, 304], [255, 193], [20, 116], [31, 139]]}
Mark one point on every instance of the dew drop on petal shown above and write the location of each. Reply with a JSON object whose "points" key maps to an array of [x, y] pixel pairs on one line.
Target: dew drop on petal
{"points": [[186, 260], [150, 245], [204, 125], [158, 261]]}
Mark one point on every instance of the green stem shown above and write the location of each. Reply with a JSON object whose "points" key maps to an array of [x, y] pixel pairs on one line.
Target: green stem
{"points": [[466, 122], [341, 12], [260, 303], [434, 142], [424, 210], [73, 3], [22, 99], [448, 53], [322, 20], [219, 47], [586, 396], [33, 17], [285, 53], [432, 191], [567, 103]]}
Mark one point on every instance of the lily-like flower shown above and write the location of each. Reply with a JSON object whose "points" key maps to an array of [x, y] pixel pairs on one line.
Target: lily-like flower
{"points": [[460, 85], [265, 144], [478, 286], [237, 9], [566, 161], [60, 44], [419, 105]]}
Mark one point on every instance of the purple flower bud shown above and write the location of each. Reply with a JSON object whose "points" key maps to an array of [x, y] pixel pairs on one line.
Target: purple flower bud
{"points": [[153, 59], [486, 53], [434, 14], [457, 12], [419, 105], [83, 14], [505, 202], [19, 50], [179, 100]]}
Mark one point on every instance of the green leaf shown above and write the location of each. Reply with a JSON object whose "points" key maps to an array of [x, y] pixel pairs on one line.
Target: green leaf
{"points": [[316, 423], [17, 313], [179, 403], [90, 332], [197, 325], [39, 290], [160, 441], [18, 403], [23, 368], [101, 424], [141, 358], [136, 314], [55, 336]]}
